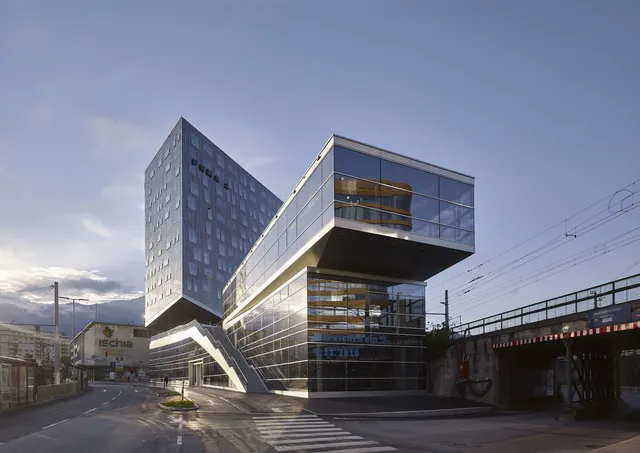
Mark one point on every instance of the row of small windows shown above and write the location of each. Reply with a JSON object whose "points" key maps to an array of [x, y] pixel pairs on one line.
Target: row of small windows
{"points": [[172, 144], [169, 243]]}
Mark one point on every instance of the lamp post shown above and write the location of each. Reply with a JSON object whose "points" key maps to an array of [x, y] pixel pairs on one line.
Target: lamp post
{"points": [[73, 301]]}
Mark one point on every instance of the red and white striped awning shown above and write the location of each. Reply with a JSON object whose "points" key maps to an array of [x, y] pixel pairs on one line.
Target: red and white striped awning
{"points": [[561, 336]]}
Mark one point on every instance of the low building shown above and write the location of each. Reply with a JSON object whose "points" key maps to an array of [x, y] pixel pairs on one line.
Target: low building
{"points": [[101, 348], [30, 342]]}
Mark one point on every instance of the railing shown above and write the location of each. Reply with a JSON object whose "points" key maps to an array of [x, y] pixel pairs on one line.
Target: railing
{"points": [[616, 292], [202, 328]]}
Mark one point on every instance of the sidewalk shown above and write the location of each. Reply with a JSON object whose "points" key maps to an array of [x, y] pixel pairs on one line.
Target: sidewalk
{"points": [[379, 406], [626, 446]]}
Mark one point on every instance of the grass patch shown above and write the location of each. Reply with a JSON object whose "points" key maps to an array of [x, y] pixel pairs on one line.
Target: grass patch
{"points": [[169, 393], [185, 404]]}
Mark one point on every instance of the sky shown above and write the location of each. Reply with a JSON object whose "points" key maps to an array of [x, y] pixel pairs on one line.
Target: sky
{"points": [[538, 100]]}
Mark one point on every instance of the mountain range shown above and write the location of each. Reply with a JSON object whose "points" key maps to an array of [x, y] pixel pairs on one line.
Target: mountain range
{"points": [[117, 311]]}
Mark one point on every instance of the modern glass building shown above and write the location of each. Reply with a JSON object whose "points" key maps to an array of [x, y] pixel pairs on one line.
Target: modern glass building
{"points": [[330, 300], [203, 212]]}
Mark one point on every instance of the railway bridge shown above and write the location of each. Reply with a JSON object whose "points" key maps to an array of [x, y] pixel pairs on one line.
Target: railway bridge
{"points": [[581, 349]]}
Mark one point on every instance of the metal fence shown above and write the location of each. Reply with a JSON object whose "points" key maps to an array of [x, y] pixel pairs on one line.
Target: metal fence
{"points": [[616, 292]]}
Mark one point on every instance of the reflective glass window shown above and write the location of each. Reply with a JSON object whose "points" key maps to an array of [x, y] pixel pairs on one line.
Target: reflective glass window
{"points": [[456, 215], [357, 164], [456, 235], [357, 191], [409, 178], [309, 213], [191, 202], [456, 191], [326, 166]]}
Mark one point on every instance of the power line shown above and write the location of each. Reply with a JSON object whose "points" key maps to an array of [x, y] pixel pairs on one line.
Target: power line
{"points": [[587, 251], [503, 272], [608, 197], [562, 265], [549, 246], [550, 275]]}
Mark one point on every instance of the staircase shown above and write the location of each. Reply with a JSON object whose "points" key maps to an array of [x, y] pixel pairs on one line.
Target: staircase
{"points": [[235, 359]]}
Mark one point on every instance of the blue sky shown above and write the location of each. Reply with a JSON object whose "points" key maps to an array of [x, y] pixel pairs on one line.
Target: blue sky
{"points": [[540, 101]]}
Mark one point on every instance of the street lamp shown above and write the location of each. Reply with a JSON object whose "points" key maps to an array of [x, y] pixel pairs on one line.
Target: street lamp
{"points": [[73, 301]]}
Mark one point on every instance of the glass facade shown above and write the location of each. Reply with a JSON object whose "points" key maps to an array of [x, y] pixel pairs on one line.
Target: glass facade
{"points": [[376, 191], [173, 361], [273, 337], [356, 186], [196, 229], [325, 333]]}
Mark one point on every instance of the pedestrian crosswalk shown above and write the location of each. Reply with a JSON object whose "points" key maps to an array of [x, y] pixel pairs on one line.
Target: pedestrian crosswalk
{"points": [[311, 433]]}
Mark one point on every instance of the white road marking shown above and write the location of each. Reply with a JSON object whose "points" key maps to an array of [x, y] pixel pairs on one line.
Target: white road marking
{"points": [[180, 427], [104, 404], [363, 450], [310, 432], [155, 423], [237, 407], [104, 390], [281, 432], [146, 424], [56, 423], [329, 445], [114, 398], [276, 409], [179, 440], [279, 417], [291, 423], [288, 436], [91, 410], [314, 439]]}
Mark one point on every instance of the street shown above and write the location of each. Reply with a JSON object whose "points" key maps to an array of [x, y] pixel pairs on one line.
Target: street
{"points": [[125, 418]]}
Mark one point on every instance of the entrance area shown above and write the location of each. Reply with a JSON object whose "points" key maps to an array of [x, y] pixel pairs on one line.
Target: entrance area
{"points": [[195, 373]]}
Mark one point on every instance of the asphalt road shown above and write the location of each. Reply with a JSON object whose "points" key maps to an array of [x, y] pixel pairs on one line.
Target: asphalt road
{"points": [[123, 418]]}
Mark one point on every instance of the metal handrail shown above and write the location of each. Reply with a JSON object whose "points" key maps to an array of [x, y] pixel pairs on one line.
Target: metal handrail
{"points": [[488, 323]]}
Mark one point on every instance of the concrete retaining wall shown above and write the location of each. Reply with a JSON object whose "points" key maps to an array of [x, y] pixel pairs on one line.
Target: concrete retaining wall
{"points": [[483, 364], [51, 392]]}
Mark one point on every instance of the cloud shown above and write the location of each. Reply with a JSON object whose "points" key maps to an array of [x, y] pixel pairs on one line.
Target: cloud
{"points": [[116, 137], [96, 226], [33, 285]]}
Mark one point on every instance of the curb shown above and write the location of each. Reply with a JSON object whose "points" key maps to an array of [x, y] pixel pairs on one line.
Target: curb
{"points": [[427, 413], [176, 409]]}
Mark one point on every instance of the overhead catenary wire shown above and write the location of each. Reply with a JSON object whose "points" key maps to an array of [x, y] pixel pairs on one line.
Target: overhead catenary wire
{"points": [[597, 250], [550, 245], [561, 265], [564, 221], [542, 278], [586, 230]]}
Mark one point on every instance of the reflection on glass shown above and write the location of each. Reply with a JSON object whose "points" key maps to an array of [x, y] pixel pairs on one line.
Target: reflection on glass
{"points": [[409, 178], [356, 164], [456, 191], [364, 335], [456, 215]]}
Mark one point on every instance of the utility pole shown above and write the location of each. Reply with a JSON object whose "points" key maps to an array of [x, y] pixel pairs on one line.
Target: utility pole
{"points": [[56, 336], [446, 309], [73, 302]]}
